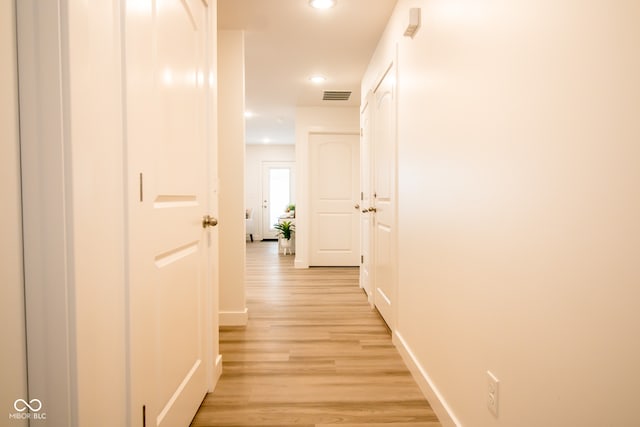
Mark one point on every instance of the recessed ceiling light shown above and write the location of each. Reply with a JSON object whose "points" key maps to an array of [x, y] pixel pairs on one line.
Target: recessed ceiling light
{"points": [[266, 140], [248, 114], [322, 4], [317, 79]]}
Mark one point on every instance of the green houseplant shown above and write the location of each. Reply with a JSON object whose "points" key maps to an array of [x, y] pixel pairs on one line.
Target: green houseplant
{"points": [[284, 229]]}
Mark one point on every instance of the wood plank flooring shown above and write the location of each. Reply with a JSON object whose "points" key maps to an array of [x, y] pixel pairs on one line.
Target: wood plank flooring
{"points": [[312, 354]]}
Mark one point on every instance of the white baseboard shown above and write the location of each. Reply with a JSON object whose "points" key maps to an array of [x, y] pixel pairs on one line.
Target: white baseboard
{"points": [[300, 263], [218, 369], [215, 375], [437, 402], [234, 318]]}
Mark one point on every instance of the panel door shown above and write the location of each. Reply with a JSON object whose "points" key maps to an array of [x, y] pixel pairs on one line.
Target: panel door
{"points": [[366, 196], [384, 196], [334, 191], [166, 126]]}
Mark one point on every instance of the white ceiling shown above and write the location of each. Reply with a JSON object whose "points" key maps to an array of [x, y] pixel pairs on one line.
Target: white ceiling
{"points": [[287, 41]]}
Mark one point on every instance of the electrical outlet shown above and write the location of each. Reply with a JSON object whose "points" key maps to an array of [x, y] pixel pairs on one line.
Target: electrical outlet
{"points": [[492, 393]]}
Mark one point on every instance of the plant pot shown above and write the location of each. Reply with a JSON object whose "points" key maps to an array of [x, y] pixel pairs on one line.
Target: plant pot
{"points": [[285, 244]]}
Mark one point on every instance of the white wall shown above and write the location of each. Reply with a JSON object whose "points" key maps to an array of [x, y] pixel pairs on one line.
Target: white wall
{"points": [[314, 120], [233, 309], [13, 358], [518, 208], [255, 156]]}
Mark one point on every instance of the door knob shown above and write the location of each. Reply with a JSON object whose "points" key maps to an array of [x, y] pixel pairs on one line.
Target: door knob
{"points": [[209, 221], [373, 210], [357, 206]]}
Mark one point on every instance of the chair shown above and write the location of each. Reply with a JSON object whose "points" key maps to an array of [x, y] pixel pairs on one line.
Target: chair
{"points": [[248, 223]]}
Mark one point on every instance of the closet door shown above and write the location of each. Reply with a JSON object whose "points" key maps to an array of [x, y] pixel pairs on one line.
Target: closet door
{"points": [[334, 191], [166, 97], [384, 195], [366, 201]]}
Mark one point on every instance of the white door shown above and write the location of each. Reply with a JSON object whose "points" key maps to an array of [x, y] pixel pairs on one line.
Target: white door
{"points": [[167, 141], [278, 180], [366, 196], [13, 358], [334, 193], [384, 141]]}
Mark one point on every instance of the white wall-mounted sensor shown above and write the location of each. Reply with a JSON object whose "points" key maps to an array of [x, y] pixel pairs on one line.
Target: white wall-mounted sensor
{"points": [[414, 22]]}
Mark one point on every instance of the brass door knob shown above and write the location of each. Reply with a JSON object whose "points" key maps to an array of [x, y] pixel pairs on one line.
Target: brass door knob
{"points": [[209, 221]]}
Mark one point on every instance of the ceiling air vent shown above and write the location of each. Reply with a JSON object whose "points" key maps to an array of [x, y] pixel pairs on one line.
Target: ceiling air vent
{"points": [[336, 95]]}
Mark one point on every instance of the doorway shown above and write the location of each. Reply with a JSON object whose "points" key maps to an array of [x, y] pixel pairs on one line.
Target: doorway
{"points": [[278, 192]]}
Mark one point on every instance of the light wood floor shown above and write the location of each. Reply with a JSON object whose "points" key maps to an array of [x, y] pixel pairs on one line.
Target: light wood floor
{"points": [[313, 354]]}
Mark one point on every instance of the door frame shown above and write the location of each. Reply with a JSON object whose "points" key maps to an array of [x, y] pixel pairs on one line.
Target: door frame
{"points": [[48, 251]]}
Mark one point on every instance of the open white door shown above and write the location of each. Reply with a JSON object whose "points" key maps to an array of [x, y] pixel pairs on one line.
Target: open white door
{"points": [[334, 193], [167, 118], [384, 197], [366, 197]]}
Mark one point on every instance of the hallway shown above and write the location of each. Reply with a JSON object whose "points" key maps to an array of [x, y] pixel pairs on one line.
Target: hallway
{"points": [[313, 354]]}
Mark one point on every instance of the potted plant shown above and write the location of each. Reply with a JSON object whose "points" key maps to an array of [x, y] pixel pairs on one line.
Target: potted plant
{"points": [[291, 210], [285, 231]]}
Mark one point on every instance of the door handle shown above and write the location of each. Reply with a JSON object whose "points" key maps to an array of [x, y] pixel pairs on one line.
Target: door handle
{"points": [[373, 210], [209, 221], [357, 206]]}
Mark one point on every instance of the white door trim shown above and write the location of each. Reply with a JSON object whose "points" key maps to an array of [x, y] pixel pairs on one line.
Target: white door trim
{"points": [[213, 357]]}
